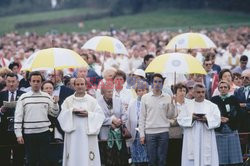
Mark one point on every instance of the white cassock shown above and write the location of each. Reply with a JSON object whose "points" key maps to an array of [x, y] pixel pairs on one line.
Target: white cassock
{"points": [[80, 141], [199, 141]]}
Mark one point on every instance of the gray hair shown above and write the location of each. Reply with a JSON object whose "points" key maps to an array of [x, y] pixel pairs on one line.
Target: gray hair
{"points": [[199, 85]]}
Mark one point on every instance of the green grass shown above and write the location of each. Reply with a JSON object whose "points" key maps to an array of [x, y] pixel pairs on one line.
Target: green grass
{"points": [[8, 23], [170, 19]]}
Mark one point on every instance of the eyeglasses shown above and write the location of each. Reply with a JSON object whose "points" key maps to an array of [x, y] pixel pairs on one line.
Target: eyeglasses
{"points": [[223, 87], [245, 77], [208, 64]]}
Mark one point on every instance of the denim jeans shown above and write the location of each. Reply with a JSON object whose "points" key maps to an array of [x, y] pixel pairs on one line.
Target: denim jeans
{"points": [[157, 147]]}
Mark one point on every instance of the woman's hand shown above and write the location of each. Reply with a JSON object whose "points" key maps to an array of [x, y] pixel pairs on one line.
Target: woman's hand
{"points": [[56, 99], [117, 122]]}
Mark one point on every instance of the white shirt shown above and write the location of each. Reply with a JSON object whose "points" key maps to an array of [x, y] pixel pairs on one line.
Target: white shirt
{"points": [[10, 93]]}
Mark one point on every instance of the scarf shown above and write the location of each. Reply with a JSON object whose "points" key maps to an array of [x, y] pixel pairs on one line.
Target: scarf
{"points": [[115, 136], [223, 97], [109, 103]]}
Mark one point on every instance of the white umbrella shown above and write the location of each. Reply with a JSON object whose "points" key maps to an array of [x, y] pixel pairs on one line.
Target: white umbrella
{"points": [[106, 43]]}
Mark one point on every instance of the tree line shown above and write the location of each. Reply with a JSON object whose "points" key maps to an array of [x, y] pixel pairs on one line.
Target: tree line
{"points": [[119, 7]]}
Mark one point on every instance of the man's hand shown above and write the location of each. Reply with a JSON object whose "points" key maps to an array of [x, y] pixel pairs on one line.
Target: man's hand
{"points": [[79, 112], [20, 140], [195, 117], [142, 140], [198, 118], [3, 109], [224, 119], [83, 113], [243, 105], [203, 119]]}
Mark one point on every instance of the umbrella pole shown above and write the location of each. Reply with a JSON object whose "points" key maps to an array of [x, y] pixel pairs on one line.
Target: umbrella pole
{"points": [[55, 76], [174, 78]]}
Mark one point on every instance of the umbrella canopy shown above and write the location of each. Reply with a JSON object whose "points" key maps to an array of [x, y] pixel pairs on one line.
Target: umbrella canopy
{"points": [[178, 63], [106, 43], [190, 41], [54, 58]]}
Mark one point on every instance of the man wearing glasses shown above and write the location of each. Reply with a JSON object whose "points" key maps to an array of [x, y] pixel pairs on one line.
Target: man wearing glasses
{"points": [[211, 78], [199, 120], [243, 96], [156, 110]]}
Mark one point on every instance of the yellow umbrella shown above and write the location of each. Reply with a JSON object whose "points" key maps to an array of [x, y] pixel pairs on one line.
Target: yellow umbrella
{"points": [[54, 59], [178, 63], [106, 43], [190, 41]]}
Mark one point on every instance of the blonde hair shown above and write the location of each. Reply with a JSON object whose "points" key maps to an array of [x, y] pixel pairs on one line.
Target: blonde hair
{"points": [[4, 71]]}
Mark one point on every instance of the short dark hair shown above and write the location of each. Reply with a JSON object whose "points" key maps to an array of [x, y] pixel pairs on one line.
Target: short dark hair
{"points": [[86, 82], [36, 73], [206, 59], [236, 75], [147, 57], [45, 82], [120, 73], [158, 75], [224, 71], [13, 64], [243, 58], [180, 86], [11, 75], [94, 57]]}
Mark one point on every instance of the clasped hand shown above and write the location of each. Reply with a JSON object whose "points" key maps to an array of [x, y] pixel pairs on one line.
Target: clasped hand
{"points": [[198, 118], [80, 112]]}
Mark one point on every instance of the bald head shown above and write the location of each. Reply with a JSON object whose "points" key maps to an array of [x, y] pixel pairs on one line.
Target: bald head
{"points": [[246, 73]]}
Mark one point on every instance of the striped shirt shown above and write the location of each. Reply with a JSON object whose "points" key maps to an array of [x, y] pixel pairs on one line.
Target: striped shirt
{"points": [[32, 111]]}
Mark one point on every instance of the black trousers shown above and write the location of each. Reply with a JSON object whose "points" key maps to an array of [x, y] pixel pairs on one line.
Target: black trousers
{"points": [[8, 144], [37, 148]]}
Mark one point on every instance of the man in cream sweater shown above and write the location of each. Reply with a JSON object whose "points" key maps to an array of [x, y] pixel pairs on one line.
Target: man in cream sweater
{"points": [[32, 123], [156, 110]]}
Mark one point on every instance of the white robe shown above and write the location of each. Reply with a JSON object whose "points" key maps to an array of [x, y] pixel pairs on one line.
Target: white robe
{"points": [[199, 141], [80, 141]]}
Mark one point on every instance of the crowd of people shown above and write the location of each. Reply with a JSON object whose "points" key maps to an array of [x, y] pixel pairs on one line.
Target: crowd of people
{"points": [[112, 113]]}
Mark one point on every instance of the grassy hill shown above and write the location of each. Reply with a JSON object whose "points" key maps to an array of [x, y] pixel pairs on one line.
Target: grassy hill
{"points": [[170, 19]]}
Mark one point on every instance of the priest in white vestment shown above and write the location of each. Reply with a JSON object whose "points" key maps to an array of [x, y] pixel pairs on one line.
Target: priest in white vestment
{"points": [[199, 120], [81, 119]]}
